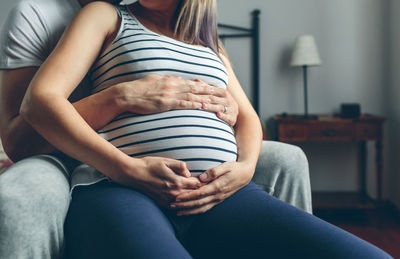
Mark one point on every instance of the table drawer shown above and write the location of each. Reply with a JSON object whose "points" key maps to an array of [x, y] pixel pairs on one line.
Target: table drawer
{"points": [[330, 132], [292, 133], [368, 131]]}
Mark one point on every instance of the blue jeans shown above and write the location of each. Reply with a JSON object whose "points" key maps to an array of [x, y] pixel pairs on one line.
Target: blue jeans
{"points": [[39, 184], [106, 220]]}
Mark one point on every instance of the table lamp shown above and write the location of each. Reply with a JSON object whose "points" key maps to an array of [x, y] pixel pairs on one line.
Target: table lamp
{"points": [[305, 54]]}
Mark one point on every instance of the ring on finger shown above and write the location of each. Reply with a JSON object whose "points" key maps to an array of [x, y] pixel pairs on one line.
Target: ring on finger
{"points": [[225, 109]]}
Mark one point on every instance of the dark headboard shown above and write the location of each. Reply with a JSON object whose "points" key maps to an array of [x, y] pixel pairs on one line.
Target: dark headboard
{"points": [[254, 34]]}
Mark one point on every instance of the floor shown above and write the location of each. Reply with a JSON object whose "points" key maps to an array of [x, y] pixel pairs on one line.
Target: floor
{"points": [[380, 227]]}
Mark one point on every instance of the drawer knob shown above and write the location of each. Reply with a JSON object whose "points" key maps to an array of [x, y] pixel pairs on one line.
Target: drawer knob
{"points": [[329, 132], [292, 133]]}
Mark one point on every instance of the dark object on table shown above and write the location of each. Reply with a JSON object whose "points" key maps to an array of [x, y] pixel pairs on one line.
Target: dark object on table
{"points": [[350, 110]]}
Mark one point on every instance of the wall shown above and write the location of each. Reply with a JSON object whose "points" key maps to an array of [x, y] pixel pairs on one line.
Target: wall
{"points": [[350, 38], [393, 97]]}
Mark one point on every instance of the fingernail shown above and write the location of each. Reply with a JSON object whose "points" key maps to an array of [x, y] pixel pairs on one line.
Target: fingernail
{"points": [[203, 177], [172, 206]]}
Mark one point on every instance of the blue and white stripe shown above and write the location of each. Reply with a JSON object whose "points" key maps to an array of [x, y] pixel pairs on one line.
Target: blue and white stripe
{"points": [[195, 136]]}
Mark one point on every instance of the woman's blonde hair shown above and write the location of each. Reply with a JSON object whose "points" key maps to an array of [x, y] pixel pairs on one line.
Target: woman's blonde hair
{"points": [[197, 23]]}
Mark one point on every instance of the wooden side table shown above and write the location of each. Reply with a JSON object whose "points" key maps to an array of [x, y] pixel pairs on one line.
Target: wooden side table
{"points": [[327, 128]]}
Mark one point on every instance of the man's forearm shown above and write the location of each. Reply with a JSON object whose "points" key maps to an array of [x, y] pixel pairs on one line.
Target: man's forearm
{"points": [[100, 108], [139, 96], [20, 140]]}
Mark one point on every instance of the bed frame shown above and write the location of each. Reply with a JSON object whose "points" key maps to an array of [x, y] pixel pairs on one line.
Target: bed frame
{"points": [[254, 34]]}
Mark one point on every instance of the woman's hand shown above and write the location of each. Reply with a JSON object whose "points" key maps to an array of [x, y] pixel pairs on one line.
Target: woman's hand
{"points": [[154, 93], [222, 181], [162, 179], [226, 107]]}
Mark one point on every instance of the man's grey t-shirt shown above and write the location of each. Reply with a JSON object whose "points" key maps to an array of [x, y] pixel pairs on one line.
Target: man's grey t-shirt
{"points": [[32, 30]]}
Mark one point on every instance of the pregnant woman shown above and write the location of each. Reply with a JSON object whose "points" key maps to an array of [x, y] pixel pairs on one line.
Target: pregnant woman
{"points": [[147, 198]]}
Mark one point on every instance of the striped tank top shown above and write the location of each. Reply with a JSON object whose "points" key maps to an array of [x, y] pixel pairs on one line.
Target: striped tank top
{"points": [[197, 137]]}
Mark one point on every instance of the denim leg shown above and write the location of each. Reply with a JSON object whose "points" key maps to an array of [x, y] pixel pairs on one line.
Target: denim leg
{"points": [[107, 220], [253, 224]]}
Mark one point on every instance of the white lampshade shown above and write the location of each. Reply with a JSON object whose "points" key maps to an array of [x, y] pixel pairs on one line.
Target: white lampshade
{"points": [[305, 52]]}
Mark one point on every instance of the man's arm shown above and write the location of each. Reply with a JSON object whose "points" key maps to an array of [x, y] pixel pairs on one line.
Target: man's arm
{"points": [[147, 95], [19, 139]]}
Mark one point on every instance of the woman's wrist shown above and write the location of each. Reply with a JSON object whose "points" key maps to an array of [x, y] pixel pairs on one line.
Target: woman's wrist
{"points": [[127, 170], [248, 167], [249, 162]]}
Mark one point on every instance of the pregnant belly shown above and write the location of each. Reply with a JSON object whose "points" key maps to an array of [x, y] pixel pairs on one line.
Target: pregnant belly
{"points": [[195, 136]]}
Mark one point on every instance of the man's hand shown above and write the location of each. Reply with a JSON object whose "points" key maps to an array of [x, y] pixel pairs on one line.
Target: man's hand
{"points": [[222, 181], [155, 93]]}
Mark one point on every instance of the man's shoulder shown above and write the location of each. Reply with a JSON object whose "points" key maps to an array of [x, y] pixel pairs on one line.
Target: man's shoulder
{"points": [[22, 6], [32, 29], [50, 12]]}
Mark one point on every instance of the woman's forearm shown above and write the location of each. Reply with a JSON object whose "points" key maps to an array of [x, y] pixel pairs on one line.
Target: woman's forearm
{"points": [[55, 118], [248, 134], [45, 105], [248, 131]]}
